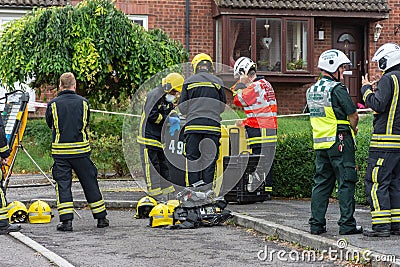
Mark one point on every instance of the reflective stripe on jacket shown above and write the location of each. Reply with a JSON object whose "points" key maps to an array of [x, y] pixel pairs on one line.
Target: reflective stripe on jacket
{"points": [[322, 116], [68, 116], [385, 103], [259, 103]]}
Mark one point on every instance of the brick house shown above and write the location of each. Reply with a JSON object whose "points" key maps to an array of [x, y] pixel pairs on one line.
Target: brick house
{"points": [[285, 38]]}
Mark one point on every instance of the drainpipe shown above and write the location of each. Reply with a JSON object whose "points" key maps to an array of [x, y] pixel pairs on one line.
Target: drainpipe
{"points": [[187, 26]]}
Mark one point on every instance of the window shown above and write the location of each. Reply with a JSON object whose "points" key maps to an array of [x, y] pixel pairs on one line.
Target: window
{"points": [[296, 45], [269, 42], [140, 19], [277, 45], [239, 39]]}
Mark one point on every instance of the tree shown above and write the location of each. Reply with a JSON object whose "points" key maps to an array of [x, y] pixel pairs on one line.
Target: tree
{"points": [[109, 54]]}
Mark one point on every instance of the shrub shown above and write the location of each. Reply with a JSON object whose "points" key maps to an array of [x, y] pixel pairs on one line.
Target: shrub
{"points": [[294, 165]]}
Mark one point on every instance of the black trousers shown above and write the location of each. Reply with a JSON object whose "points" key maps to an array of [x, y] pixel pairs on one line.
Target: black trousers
{"points": [[202, 152], [156, 171], [3, 209], [382, 186], [87, 175]]}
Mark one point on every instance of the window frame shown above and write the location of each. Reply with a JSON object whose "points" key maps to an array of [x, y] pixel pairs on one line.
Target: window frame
{"points": [[302, 76], [143, 18]]}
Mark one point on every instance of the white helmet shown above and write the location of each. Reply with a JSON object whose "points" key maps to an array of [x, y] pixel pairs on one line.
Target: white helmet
{"points": [[387, 56], [243, 65], [331, 60]]}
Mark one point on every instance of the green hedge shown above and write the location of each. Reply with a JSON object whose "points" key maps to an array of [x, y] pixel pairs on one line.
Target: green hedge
{"points": [[294, 166]]}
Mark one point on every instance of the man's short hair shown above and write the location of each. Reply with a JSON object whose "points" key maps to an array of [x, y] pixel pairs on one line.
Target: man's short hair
{"points": [[67, 80]]}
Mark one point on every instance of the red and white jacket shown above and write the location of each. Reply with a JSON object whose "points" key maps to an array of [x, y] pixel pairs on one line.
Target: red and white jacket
{"points": [[259, 103]]}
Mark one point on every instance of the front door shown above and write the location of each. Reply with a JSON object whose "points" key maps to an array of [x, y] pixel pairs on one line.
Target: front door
{"points": [[349, 39]]}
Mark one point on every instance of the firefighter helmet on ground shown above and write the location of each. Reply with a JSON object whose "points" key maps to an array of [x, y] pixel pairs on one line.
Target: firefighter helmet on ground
{"points": [[172, 81], [331, 60], [40, 212], [243, 65], [202, 60], [144, 206], [161, 215], [17, 212], [387, 56]]}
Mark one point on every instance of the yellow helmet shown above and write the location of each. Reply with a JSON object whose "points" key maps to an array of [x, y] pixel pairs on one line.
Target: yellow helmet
{"points": [[173, 203], [202, 59], [17, 212], [161, 215], [173, 81], [39, 212], [144, 206]]}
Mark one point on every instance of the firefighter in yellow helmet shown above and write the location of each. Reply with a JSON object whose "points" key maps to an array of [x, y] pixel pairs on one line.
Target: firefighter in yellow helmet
{"points": [[159, 106], [5, 226], [202, 102]]}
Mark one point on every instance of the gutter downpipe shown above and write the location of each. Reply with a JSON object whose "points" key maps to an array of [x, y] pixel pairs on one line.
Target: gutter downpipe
{"points": [[187, 25]]}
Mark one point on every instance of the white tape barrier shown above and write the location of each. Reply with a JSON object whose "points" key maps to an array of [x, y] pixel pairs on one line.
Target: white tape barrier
{"points": [[44, 105]]}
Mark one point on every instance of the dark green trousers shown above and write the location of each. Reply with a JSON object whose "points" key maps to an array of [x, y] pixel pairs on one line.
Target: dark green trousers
{"points": [[333, 165]]}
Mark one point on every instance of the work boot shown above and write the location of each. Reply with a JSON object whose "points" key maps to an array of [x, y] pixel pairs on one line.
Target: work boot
{"points": [[65, 226], [374, 233], [9, 228], [102, 222], [357, 230], [395, 231], [319, 231]]}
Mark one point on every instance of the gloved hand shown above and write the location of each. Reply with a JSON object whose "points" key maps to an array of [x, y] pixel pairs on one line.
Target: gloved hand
{"points": [[174, 125]]}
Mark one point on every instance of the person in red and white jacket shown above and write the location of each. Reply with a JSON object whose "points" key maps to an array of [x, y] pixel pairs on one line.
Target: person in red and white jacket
{"points": [[257, 97]]}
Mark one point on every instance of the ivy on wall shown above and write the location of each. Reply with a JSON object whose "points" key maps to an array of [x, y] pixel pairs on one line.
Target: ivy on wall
{"points": [[109, 54]]}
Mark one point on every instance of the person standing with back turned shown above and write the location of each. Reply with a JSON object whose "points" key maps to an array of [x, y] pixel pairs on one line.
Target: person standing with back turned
{"points": [[334, 120], [382, 179], [202, 102], [68, 115]]}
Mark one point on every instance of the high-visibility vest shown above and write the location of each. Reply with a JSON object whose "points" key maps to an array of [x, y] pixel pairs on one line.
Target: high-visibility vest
{"points": [[322, 116]]}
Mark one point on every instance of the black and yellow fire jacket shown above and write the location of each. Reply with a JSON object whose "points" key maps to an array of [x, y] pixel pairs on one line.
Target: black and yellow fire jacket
{"points": [[68, 116], [155, 111], [202, 101], [385, 102], [4, 149]]}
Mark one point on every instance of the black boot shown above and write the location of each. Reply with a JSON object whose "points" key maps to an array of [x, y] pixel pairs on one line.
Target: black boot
{"points": [[318, 231], [65, 226], [9, 228], [395, 231], [375, 233], [357, 230], [102, 222]]}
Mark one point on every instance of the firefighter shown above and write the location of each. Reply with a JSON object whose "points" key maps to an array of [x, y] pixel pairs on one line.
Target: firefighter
{"points": [[257, 97], [334, 120], [157, 108], [202, 102], [68, 116], [382, 180], [5, 226]]}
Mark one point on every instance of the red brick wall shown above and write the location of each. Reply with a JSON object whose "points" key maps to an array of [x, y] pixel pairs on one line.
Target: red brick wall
{"points": [[387, 35], [171, 17]]}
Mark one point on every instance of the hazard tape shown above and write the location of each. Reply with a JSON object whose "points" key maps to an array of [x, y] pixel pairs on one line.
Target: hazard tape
{"points": [[44, 105]]}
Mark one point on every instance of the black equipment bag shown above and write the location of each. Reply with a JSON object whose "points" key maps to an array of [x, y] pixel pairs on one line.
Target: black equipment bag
{"points": [[240, 177]]}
